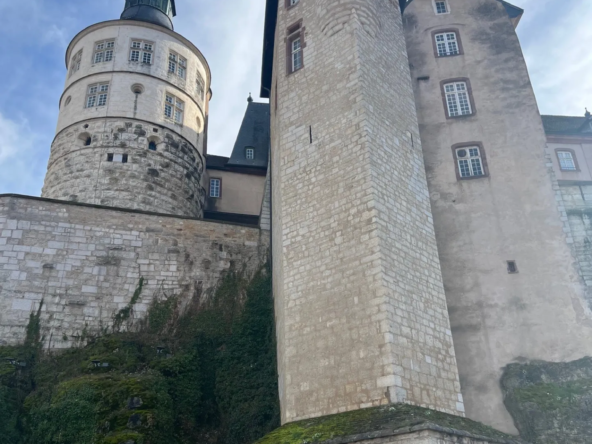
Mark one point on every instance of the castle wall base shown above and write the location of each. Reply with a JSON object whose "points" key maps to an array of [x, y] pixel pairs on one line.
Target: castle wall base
{"points": [[86, 261]]}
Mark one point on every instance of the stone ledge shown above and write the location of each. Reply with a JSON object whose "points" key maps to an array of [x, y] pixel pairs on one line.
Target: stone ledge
{"points": [[120, 210], [383, 422]]}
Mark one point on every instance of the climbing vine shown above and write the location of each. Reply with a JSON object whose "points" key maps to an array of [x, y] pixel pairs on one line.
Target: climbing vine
{"points": [[206, 374]]}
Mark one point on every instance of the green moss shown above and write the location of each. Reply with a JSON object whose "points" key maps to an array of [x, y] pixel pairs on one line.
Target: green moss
{"points": [[554, 396], [204, 376], [392, 418]]}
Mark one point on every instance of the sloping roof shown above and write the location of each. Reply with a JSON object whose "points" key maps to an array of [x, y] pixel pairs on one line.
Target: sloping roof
{"points": [[567, 125], [216, 162], [254, 133]]}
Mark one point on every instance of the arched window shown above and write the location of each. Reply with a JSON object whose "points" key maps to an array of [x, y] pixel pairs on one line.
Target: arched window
{"points": [[152, 146]]}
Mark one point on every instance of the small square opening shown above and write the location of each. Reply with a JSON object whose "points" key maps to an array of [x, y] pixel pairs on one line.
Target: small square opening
{"points": [[512, 267]]}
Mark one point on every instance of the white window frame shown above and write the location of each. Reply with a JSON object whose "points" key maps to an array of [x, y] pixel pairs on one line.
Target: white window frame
{"points": [[296, 53], [436, 9], [458, 99], [567, 161], [97, 95], [447, 44], [471, 164], [141, 51], [104, 51], [76, 62], [177, 64], [250, 154], [215, 188], [174, 108]]}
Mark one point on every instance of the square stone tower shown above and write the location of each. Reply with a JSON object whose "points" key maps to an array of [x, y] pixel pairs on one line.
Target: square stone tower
{"points": [[360, 306]]}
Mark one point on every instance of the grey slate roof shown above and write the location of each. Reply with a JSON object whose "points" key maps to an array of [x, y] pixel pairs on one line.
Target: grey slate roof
{"points": [[567, 125], [216, 162], [254, 133]]}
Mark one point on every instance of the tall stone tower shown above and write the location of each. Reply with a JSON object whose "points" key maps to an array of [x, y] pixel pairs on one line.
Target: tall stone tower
{"points": [[133, 116], [511, 283], [360, 307]]}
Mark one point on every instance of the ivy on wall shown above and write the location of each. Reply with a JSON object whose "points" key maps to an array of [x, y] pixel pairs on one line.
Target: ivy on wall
{"points": [[204, 374]]}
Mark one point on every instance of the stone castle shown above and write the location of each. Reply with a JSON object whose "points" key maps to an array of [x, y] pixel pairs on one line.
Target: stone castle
{"points": [[427, 226]]}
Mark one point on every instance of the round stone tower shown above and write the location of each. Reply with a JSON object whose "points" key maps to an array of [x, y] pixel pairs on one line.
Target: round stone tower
{"points": [[133, 116]]}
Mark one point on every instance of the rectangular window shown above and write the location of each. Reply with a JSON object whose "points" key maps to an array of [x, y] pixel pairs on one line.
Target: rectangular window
{"points": [[250, 153], [119, 158], [174, 108], [441, 7], [294, 50], [470, 163], [177, 65], [215, 188], [447, 44], [200, 86], [75, 63], [457, 99], [566, 161], [104, 51], [97, 95], [142, 51]]}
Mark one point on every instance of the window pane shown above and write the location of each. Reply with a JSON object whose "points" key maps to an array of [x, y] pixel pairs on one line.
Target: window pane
{"points": [[135, 56], [168, 111], [102, 100], [465, 106], [147, 58], [463, 167], [98, 57], [452, 105], [108, 55], [91, 101], [477, 168]]}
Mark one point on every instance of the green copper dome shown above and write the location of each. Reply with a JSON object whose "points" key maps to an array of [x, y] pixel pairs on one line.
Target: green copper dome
{"points": [[158, 12]]}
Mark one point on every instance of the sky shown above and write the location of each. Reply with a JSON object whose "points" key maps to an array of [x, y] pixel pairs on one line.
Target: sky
{"points": [[555, 36]]}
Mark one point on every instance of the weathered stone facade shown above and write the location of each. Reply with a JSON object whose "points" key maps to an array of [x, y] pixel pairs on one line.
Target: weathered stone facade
{"points": [[168, 178], [512, 213], [85, 263], [360, 307]]}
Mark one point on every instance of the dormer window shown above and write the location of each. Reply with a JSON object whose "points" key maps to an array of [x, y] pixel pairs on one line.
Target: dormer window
{"points": [[250, 153]]}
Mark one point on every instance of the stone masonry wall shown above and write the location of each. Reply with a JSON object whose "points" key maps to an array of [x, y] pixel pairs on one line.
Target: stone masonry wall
{"points": [[85, 263], [578, 206], [360, 306], [168, 180]]}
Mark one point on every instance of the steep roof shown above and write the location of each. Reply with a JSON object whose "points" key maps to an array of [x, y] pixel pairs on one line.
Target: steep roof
{"points": [[567, 125], [253, 133]]}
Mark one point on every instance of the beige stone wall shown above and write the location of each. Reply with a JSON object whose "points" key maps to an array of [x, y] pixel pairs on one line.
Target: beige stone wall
{"points": [[85, 263], [241, 193], [78, 170], [168, 180], [360, 307], [513, 214]]}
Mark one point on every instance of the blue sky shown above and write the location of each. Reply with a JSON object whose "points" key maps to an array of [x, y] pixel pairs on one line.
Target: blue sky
{"points": [[555, 36]]}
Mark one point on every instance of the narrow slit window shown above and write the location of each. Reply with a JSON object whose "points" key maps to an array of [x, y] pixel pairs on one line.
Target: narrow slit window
{"points": [[215, 188], [447, 44], [110, 157], [104, 51], [88, 141], [152, 146], [512, 267], [457, 99], [566, 161], [470, 162]]}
